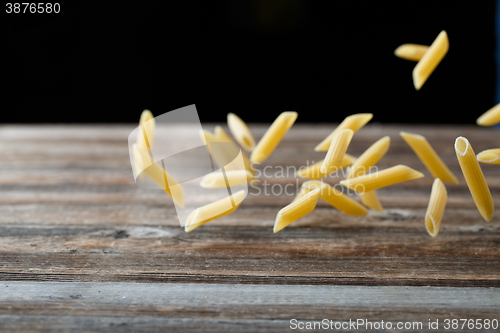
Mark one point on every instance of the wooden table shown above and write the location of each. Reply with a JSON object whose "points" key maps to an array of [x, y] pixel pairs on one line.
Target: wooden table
{"points": [[82, 248]]}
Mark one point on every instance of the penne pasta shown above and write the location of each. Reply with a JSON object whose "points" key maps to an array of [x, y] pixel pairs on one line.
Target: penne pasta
{"points": [[490, 117], [273, 136], [413, 52], [435, 208], [336, 198], [337, 150], [231, 178], [297, 209], [214, 210], [430, 60], [222, 136], [145, 137], [240, 132], [370, 157], [490, 156], [376, 180], [429, 157], [313, 171], [370, 200], [474, 178], [159, 175], [353, 122]]}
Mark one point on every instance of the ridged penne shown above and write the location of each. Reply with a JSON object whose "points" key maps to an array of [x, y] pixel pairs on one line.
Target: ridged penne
{"points": [[313, 171], [370, 157], [335, 198], [337, 150], [353, 122], [413, 52], [230, 178], [490, 117], [370, 200], [474, 178], [429, 157], [435, 209], [146, 133], [214, 210], [490, 156], [158, 174], [297, 209], [240, 132], [222, 136], [376, 180], [430, 60], [273, 136]]}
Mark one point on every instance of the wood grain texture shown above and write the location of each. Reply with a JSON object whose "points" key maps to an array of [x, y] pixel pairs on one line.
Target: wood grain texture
{"points": [[71, 212]]}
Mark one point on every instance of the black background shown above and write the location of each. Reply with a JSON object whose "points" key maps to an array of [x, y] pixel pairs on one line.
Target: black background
{"points": [[324, 59]]}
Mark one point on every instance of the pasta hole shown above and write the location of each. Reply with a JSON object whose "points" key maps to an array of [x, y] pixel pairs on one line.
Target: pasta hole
{"points": [[461, 145], [247, 142]]}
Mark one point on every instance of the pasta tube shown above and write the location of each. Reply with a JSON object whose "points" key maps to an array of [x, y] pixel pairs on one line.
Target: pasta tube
{"points": [[230, 178], [240, 132], [474, 178], [370, 199], [370, 157], [313, 171], [353, 122], [376, 180], [435, 208], [430, 60], [490, 156], [337, 150], [297, 209], [490, 117], [413, 52]]}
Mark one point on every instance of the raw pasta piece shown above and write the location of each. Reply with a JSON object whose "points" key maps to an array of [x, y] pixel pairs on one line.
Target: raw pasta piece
{"points": [[146, 134], [336, 198], [353, 122], [313, 171], [296, 210], [240, 132], [413, 52], [376, 180], [230, 178], [370, 199], [430, 60], [222, 136], [490, 156], [474, 178], [273, 136], [370, 157], [429, 157], [490, 117], [214, 210], [435, 209], [337, 150]]}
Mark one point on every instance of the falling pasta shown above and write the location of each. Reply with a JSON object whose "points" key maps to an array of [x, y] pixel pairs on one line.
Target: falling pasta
{"points": [[240, 132], [413, 52], [370, 157], [353, 122], [490, 156], [370, 199], [313, 171], [490, 117], [337, 150], [273, 136], [379, 179], [430, 60], [474, 177], [297, 209], [230, 178], [435, 209], [214, 210], [429, 157]]}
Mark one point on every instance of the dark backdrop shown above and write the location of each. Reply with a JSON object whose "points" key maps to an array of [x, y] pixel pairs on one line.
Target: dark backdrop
{"points": [[324, 59]]}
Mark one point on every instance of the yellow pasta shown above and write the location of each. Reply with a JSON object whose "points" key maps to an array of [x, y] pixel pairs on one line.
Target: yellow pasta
{"points": [[313, 171], [474, 177], [376, 180], [214, 210], [335, 198], [240, 132], [146, 133], [273, 136], [413, 52], [435, 208], [429, 157], [430, 60], [297, 209], [370, 157], [158, 174], [337, 150], [222, 136], [490, 117], [490, 156], [370, 199], [353, 122], [227, 179]]}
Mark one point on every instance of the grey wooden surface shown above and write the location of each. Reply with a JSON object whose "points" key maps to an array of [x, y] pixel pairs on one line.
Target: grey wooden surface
{"points": [[75, 231]]}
